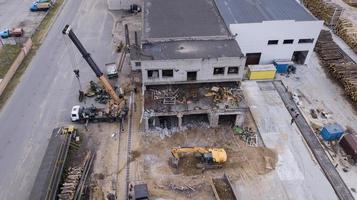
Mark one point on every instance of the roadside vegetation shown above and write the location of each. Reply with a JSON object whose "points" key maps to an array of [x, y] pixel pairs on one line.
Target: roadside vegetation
{"points": [[8, 54], [37, 39]]}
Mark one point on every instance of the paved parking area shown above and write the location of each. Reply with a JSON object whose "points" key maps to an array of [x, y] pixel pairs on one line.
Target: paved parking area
{"points": [[318, 91], [297, 174], [16, 13]]}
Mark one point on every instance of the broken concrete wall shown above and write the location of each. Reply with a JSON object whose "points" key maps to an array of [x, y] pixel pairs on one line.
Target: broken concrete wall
{"points": [[151, 120], [204, 68]]}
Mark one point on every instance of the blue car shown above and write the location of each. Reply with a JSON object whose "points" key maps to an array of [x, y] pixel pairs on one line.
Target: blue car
{"points": [[40, 5], [5, 33]]}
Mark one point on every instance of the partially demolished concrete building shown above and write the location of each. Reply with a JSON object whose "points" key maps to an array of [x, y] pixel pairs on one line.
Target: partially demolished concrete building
{"points": [[191, 65]]}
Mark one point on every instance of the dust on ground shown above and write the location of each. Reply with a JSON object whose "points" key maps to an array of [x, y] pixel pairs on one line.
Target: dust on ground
{"points": [[189, 182]]}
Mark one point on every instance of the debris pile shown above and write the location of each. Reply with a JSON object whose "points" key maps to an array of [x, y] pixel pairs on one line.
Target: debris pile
{"points": [[186, 98], [247, 135], [338, 64], [224, 95], [166, 96], [182, 188]]}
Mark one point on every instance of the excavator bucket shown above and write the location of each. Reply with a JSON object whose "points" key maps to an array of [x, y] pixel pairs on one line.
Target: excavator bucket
{"points": [[174, 162]]}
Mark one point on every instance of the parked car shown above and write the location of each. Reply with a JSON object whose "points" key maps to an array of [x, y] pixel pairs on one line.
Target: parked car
{"points": [[41, 5], [14, 32]]}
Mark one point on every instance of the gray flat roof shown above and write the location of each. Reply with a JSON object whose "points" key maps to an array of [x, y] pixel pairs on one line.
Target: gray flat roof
{"points": [[252, 11], [191, 49], [182, 19]]}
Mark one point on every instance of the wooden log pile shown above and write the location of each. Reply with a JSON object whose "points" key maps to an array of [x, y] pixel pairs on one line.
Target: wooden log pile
{"points": [[331, 14], [339, 65], [70, 184], [327, 11], [351, 2], [345, 29]]}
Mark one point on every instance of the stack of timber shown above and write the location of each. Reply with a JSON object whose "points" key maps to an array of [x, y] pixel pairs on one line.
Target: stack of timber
{"points": [[351, 2], [74, 183], [345, 29], [70, 184], [339, 65], [52, 165], [323, 10]]}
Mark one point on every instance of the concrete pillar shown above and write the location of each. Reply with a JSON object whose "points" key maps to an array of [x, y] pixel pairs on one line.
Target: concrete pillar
{"points": [[146, 120], [179, 116], [240, 119], [213, 120]]}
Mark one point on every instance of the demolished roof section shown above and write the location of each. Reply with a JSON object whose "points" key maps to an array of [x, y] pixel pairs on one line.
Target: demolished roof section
{"points": [[196, 49]]}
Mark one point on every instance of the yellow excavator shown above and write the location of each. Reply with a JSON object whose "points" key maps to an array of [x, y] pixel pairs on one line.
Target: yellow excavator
{"points": [[211, 158]]}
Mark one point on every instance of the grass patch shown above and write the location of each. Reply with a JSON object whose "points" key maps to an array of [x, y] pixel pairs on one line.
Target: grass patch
{"points": [[37, 38], [8, 54]]}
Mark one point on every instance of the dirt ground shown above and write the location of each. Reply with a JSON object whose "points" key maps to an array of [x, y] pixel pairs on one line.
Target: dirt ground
{"points": [[188, 182]]}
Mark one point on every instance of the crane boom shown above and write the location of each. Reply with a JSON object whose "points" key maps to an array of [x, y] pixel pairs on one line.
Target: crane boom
{"points": [[108, 88]]}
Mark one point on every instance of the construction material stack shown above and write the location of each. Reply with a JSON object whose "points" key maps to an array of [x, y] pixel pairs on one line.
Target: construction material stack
{"points": [[345, 29], [327, 11], [351, 2], [338, 64]]}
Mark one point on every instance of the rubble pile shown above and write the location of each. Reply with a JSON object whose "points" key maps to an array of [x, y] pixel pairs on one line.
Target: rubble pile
{"points": [[224, 95], [247, 135], [166, 96]]}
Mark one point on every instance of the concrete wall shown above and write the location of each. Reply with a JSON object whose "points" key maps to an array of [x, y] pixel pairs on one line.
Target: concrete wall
{"points": [[204, 68], [253, 38], [17, 62], [213, 117]]}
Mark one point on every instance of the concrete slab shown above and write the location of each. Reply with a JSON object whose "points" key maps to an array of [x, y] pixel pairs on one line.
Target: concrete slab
{"points": [[297, 173], [317, 90]]}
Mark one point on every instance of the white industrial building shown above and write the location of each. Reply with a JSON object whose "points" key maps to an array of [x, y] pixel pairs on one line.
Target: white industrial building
{"points": [[267, 30]]}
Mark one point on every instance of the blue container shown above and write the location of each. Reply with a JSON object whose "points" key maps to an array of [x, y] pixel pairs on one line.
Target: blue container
{"points": [[332, 132], [282, 65]]}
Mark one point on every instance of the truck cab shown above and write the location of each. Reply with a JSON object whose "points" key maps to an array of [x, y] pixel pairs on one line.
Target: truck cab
{"points": [[75, 116], [5, 33], [39, 5]]}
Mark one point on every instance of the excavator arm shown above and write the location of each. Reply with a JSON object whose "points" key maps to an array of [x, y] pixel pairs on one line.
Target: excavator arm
{"points": [[217, 155], [176, 151]]}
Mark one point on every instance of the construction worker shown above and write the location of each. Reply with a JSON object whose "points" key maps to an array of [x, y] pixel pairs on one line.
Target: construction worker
{"points": [[293, 119]]}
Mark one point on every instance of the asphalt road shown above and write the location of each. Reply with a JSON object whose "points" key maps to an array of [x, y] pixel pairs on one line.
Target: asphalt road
{"points": [[43, 99]]}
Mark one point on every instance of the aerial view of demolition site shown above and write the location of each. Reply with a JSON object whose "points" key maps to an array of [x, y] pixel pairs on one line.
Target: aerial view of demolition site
{"points": [[182, 99]]}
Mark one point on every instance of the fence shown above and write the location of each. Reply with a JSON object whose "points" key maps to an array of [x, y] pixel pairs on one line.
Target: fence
{"points": [[15, 65]]}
